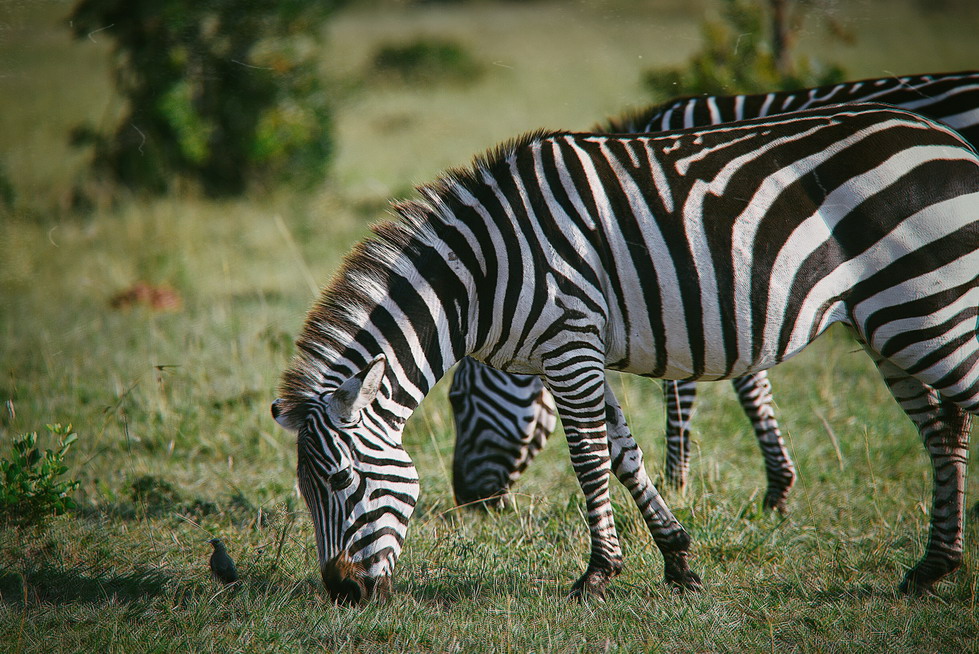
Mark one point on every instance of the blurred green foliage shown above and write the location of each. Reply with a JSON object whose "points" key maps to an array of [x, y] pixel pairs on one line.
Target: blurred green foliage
{"points": [[31, 490], [426, 61], [738, 57], [220, 93]]}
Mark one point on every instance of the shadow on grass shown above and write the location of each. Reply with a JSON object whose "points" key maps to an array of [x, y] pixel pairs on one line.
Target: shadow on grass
{"points": [[275, 586], [56, 585], [52, 584]]}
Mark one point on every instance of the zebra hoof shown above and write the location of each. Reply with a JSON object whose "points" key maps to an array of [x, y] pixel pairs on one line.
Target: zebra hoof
{"points": [[679, 575], [591, 586], [921, 579], [777, 504], [917, 585], [916, 588], [688, 582]]}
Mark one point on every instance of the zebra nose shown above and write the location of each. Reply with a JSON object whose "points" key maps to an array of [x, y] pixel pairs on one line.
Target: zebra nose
{"points": [[344, 580], [493, 496], [348, 583], [489, 490]]}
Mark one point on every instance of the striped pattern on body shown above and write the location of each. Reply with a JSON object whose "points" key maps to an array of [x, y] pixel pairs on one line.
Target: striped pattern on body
{"points": [[701, 254], [499, 430]]}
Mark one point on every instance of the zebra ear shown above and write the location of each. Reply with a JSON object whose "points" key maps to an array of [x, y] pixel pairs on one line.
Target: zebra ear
{"points": [[358, 391], [281, 416]]}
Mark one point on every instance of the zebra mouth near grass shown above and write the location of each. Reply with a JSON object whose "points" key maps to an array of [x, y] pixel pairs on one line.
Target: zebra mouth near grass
{"points": [[348, 583], [487, 496]]}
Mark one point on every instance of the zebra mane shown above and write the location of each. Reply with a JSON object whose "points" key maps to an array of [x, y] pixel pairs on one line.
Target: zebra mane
{"points": [[363, 279], [488, 161], [343, 307]]}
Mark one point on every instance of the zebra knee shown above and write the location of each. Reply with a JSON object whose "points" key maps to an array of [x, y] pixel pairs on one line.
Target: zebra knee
{"points": [[678, 541], [626, 461]]}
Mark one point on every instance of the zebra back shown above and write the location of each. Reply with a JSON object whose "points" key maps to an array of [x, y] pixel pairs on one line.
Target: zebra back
{"points": [[494, 439], [950, 98]]}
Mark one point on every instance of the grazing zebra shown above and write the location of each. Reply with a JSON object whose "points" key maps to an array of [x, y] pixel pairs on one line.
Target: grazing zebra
{"points": [[952, 98], [503, 420], [701, 254]]}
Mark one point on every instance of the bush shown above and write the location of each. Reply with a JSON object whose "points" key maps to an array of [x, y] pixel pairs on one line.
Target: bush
{"points": [[221, 93], [426, 61], [31, 490], [738, 57]]}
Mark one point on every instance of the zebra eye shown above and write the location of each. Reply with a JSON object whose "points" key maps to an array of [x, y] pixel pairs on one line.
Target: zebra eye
{"points": [[342, 479]]}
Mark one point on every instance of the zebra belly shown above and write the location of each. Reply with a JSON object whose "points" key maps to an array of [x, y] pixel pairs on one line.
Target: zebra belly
{"points": [[645, 360]]}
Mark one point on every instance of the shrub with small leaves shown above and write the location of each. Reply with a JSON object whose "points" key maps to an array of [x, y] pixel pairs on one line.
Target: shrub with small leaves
{"points": [[739, 56], [223, 94], [32, 488], [426, 61]]}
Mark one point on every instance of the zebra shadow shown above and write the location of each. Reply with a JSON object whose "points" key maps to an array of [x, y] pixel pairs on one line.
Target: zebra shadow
{"points": [[832, 594], [56, 584]]}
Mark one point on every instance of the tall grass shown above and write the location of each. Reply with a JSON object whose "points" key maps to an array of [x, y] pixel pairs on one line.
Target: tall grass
{"points": [[178, 401]]}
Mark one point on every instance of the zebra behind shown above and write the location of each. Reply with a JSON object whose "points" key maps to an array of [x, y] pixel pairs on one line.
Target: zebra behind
{"points": [[502, 421], [701, 254]]}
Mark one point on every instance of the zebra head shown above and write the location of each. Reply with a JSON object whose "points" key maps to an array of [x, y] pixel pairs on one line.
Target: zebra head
{"points": [[501, 422], [359, 484]]}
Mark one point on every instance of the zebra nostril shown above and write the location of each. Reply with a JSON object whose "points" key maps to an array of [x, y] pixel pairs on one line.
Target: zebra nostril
{"points": [[346, 581], [343, 590], [342, 479]]}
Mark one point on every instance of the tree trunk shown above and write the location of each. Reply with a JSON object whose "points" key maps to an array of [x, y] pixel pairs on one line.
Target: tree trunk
{"points": [[781, 36]]}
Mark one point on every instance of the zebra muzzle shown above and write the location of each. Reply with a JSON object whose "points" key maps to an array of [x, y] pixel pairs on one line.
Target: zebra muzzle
{"points": [[348, 583]]}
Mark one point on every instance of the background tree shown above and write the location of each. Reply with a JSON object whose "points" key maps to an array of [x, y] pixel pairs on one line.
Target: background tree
{"points": [[748, 49], [220, 93]]}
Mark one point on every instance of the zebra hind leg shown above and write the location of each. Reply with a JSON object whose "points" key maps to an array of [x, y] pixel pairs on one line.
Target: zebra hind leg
{"points": [[944, 428], [627, 464], [679, 397], [755, 395]]}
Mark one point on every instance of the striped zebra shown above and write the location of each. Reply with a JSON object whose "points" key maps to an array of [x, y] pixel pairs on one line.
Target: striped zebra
{"points": [[699, 254], [502, 421]]}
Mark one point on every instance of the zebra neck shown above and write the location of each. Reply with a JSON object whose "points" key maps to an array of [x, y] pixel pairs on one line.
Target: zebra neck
{"points": [[408, 293], [415, 313]]}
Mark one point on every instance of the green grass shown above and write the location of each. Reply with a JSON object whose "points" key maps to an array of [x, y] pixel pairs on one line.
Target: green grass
{"points": [[181, 399]]}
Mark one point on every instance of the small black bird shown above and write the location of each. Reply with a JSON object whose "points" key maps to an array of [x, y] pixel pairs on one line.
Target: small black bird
{"points": [[222, 567]]}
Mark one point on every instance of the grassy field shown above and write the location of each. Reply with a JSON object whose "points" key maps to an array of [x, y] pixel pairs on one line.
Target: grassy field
{"points": [[176, 445]]}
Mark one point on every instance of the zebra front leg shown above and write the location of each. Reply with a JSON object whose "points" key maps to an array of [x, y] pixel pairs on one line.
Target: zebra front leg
{"points": [[944, 428], [627, 463], [679, 397], [755, 395], [580, 400]]}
